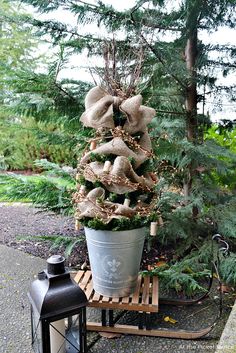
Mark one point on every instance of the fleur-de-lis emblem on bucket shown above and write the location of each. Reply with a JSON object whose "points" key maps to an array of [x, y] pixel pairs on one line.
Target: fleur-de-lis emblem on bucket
{"points": [[113, 265]]}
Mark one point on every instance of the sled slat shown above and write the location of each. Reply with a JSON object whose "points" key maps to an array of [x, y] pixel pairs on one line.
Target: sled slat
{"points": [[125, 300], [155, 290], [95, 298], [85, 280], [136, 295], [144, 298], [145, 295], [78, 276], [105, 299], [116, 300], [89, 289]]}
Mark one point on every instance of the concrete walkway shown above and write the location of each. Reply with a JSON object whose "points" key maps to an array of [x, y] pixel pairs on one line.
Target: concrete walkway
{"points": [[18, 270], [227, 342]]}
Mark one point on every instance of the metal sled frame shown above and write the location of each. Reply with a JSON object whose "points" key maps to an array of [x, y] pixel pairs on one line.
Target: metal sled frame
{"points": [[144, 300]]}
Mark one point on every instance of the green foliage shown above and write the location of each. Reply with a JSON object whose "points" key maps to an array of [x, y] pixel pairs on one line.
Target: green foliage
{"points": [[17, 43], [47, 192], [187, 276], [52, 169], [223, 216], [58, 242], [183, 280], [22, 141], [117, 224], [226, 138], [68, 242], [227, 269], [39, 110], [101, 157]]}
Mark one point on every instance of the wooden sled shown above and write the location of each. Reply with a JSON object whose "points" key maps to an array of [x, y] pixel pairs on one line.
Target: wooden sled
{"points": [[144, 301]]}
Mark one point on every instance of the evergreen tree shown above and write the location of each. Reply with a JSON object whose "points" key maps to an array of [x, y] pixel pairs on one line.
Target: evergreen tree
{"points": [[39, 112], [176, 75]]}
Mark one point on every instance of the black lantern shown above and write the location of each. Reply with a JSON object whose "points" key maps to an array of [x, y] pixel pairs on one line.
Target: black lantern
{"points": [[58, 311]]}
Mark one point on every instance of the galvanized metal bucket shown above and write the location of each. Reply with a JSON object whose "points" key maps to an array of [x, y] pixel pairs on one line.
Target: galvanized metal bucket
{"points": [[115, 258]]}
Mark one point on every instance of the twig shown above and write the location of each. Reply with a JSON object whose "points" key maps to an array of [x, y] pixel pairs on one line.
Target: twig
{"points": [[196, 312]]}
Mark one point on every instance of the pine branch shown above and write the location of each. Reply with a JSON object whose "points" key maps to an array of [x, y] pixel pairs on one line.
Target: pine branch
{"points": [[161, 60], [48, 193], [170, 112], [58, 85], [156, 53], [148, 20]]}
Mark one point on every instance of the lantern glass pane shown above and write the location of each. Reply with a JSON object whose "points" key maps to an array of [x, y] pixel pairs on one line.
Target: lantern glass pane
{"points": [[36, 327], [65, 335], [73, 334]]}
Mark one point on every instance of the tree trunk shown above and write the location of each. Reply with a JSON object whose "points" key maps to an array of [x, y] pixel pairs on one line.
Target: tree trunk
{"points": [[191, 53], [191, 94]]}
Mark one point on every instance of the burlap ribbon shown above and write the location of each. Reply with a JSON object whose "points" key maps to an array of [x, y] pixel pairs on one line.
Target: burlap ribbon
{"points": [[94, 205], [122, 176], [99, 109]]}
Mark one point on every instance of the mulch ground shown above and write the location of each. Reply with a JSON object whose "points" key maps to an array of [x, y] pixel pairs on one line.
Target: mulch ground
{"points": [[29, 229]]}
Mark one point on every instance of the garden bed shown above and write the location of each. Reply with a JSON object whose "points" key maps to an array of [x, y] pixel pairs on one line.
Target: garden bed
{"points": [[29, 229]]}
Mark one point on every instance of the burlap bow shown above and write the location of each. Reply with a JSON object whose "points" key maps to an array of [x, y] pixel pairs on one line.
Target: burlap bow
{"points": [[99, 110]]}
